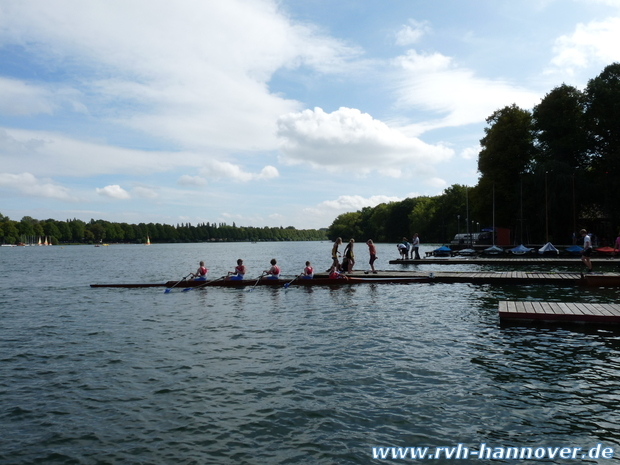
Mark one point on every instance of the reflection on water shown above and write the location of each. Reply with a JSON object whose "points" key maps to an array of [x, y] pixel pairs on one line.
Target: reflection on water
{"points": [[302, 375]]}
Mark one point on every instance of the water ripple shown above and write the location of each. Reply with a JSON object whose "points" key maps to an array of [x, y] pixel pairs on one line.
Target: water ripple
{"points": [[303, 376]]}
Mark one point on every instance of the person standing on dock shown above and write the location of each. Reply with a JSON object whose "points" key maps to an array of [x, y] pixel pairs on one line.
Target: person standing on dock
{"points": [[415, 245], [403, 248], [335, 254], [587, 250], [372, 250], [349, 256]]}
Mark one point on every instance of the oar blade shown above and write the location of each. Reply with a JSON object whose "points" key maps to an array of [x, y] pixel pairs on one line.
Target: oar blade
{"points": [[167, 291]]}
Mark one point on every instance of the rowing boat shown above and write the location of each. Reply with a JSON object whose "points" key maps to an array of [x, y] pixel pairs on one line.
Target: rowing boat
{"points": [[276, 282]]}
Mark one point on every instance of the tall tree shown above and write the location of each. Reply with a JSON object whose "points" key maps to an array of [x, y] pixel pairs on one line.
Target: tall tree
{"points": [[507, 154], [603, 112], [562, 159], [346, 226], [561, 131]]}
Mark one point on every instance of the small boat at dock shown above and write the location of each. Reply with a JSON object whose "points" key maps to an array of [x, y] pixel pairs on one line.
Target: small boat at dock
{"points": [[574, 250], [520, 250], [605, 251], [548, 250], [443, 251], [493, 250]]}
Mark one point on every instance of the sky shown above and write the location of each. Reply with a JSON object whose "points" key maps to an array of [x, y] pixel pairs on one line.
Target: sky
{"points": [[269, 113]]}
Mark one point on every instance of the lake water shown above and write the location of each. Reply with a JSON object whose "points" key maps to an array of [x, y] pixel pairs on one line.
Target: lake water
{"points": [[274, 376]]}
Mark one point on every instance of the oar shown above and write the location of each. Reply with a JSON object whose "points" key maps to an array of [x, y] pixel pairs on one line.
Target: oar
{"points": [[204, 284], [259, 278], [286, 285], [178, 282]]}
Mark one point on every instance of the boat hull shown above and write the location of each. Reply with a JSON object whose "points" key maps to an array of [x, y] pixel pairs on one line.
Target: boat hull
{"points": [[275, 282]]}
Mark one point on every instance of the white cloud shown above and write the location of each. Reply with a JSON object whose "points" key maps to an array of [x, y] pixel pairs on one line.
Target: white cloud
{"points": [[28, 184], [412, 32], [471, 153], [222, 169], [48, 153], [352, 139], [325, 212], [436, 182], [144, 192], [268, 172], [196, 73], [113, 191], [356, 202], [20, 99], [187, 180], [592, 43], [615, 3], [433, 83]]}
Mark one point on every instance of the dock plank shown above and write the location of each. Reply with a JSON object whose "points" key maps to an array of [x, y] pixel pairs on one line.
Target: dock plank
{"points": [[559, 312], [555, 308], [523, 261], [506, 277]]}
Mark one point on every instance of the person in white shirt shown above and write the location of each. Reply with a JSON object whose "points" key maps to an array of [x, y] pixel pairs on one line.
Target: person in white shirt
{"points": [[415, 245], [587, 250]]}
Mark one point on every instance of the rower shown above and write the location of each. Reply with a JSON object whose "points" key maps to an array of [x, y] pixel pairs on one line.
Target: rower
{"points": [[239, 272], [335, 274], [201, 273], [274, 271], [308, 272]]}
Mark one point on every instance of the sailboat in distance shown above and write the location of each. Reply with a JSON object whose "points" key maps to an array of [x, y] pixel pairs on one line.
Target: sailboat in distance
{"points": [[148, 241]]}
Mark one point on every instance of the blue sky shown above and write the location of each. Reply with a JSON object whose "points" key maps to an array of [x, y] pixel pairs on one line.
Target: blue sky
{"points": [[268, 113]]}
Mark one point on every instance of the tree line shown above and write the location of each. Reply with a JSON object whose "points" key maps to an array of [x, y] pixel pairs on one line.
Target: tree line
{"points": [[545, 173], [97, 231]]}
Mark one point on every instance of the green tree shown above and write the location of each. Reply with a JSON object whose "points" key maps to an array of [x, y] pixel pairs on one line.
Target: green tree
{"points": [[11, 233], [78, 227], [560, 126], [507, 154], [128, 232], [346, 226], [65, 231], [562, 160], [98, 232], [454, 210], [424, 218], [603, 113], [50, 229], [26, 228], [397, 223]]}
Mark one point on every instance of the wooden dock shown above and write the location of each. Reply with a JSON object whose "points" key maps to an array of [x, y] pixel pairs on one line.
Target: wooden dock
{"points": [[507, 277], [559, 311], [576, 261]]}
